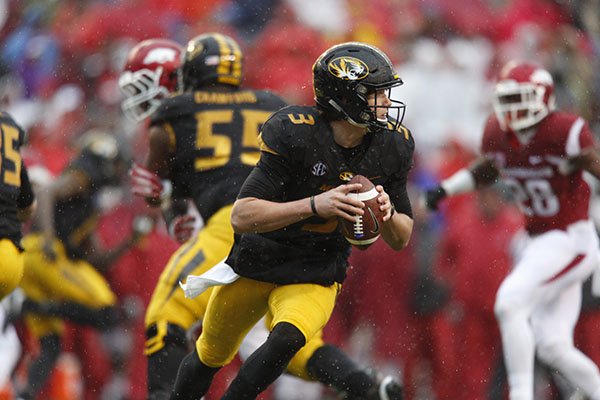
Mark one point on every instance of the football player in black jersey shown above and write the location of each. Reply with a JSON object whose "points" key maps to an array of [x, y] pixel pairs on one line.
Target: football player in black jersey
{"points": [[17, 203], [63, 259], [288, 251], [205, 142]]}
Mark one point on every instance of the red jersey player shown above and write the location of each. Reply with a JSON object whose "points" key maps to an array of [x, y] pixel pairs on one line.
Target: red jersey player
{"points": [[540, 153]]}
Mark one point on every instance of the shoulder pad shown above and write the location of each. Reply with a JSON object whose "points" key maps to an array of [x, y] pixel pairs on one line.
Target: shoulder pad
{"points": [[406, 135], [288, 129], [172, 107], [267, 96], [398, 149]]}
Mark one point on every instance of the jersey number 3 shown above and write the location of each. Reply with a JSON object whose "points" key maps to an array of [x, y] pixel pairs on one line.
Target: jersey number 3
{"points": [[220, 144], [11, 171]]}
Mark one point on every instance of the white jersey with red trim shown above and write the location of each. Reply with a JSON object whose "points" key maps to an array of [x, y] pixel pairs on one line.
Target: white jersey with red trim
{"points": [[548, 192]]}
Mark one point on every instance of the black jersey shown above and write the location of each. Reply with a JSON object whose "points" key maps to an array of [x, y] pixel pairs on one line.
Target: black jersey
{"points": [[76, 218], [15, 189], [300, 158], [214, 142]]}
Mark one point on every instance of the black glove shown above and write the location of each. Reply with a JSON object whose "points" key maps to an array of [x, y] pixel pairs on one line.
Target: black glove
{"points": [[433, 197]]}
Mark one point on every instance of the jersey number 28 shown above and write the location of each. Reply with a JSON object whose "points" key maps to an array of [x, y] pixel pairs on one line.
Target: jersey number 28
{"points": [[534, 197]]}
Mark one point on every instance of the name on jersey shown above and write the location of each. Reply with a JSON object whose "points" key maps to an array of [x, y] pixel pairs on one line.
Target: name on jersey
{"points": [[245, 96], [528, 173]]}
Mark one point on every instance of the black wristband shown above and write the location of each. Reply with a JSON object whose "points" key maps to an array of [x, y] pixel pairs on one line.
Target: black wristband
{"points": [[313, 208]]}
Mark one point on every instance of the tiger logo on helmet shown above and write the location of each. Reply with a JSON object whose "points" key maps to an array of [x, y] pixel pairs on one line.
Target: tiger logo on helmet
{"points": [[349, 68], [344, 76]]}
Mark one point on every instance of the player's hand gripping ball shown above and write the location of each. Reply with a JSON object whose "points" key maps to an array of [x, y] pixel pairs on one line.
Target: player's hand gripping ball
{"points": [[367, 227]]}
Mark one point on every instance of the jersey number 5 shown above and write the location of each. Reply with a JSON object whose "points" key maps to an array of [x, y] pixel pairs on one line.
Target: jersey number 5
{"points": [[11, 171], [219, 144]]}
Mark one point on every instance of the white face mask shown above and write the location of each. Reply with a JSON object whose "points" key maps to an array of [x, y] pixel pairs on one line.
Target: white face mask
{"points": [[519, 106]]}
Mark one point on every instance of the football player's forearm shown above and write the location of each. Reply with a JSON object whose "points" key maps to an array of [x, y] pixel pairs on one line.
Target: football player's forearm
{"points": [[103, 259], [397, 231], [101, 318], [590, 161], [252, 215], [46, 212], [484, 172]]}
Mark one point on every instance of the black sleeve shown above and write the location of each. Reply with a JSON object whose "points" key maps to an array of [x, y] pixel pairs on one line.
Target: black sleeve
{"points": [[397, 185], [26, 196], [399, 195], [101, 318], [268, 179]]}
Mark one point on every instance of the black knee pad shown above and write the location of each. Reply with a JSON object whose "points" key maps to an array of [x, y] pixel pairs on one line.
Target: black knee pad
{"points": [[285, 338]]}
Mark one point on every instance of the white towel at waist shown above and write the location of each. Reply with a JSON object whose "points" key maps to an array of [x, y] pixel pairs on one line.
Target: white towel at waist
{"points": [[220, 274]]}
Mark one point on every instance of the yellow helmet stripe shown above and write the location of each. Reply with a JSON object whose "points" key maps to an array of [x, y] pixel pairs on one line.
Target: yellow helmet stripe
{"points": [[224, 65], [229, 69]]}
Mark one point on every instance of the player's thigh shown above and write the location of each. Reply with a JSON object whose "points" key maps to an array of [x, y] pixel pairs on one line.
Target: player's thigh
{"points": [[541, 272], [554, 321], [11, 267], [208, 248], [63, 279], [232, 311], [91, 288], [306, 306]]}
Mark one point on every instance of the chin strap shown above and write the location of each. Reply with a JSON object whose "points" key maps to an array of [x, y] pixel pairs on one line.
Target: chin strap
{"points": [[345, 116]]}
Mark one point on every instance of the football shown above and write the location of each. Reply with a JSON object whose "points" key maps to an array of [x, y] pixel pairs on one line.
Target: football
{"points": [[367, 228]]}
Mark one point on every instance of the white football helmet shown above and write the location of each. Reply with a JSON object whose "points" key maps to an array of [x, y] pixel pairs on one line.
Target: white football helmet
{"points": [[523, 96], [150, 74]]}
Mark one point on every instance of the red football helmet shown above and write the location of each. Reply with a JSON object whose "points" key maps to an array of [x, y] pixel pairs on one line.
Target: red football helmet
{"points": [[524, 95], [150, 74]]}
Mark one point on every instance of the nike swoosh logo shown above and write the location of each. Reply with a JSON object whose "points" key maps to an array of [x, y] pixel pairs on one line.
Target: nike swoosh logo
{"points": [[376, 221]]}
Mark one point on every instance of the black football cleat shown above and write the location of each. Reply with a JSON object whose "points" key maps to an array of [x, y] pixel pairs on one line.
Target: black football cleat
{"points": [[383, 388], [387, 389]]}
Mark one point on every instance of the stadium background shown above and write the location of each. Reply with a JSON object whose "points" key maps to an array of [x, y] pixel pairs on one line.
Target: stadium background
{"points": [[426, 311]]}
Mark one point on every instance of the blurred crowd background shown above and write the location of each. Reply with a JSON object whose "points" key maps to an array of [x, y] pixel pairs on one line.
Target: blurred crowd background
{"points": [[424, 314]]}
